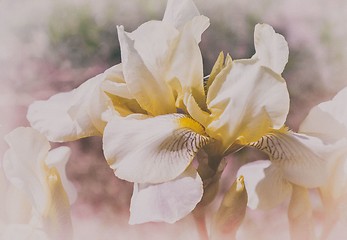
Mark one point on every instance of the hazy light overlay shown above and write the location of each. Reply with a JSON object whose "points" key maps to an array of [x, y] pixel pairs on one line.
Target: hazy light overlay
{"points": [[53, 46]]}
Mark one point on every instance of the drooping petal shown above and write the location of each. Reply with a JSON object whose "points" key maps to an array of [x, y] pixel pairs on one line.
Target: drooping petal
{"points": [[168, 201], [328, 120], [303, 159], [152, 150], [178, 13], [245, 101], [265, 184], [23, 163], [271, 48], [71, 115], [51, 117], [153, 95], [58, 158]]}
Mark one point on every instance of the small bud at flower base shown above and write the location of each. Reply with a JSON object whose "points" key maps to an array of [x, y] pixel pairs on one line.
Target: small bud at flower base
{"points": [[231, 211]]}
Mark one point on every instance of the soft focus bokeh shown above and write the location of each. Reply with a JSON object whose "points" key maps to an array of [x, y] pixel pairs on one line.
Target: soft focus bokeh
{"points": [[53, 46]]}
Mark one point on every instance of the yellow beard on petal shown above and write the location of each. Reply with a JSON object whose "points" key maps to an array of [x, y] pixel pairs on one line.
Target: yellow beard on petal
{"points": [[187, 122], [283, 129]]}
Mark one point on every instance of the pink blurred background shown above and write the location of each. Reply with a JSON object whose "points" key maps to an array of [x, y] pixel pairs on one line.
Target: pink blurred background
{"points": [[52, 46]]}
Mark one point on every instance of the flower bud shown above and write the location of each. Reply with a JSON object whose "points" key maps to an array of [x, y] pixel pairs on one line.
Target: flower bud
{"points": [[231, 211]]}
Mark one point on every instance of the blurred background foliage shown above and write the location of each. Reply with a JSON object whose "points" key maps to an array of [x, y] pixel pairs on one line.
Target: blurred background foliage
{"points": [[74, 34], [52, 46], [78, 34]]}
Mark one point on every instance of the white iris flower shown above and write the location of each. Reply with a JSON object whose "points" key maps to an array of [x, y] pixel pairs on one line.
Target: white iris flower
{"points": [[155, 112], [242, 101], [38, 186], [314, 157]]}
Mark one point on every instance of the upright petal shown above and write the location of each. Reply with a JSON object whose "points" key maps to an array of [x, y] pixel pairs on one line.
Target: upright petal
{"points": [[167, 58], [153, 95], [249, 96], [152, 150], [265, 184], [186, 65], [71, 115], [155, 41], [271, 48], [168, 201], [178, 13], [245, 101]]}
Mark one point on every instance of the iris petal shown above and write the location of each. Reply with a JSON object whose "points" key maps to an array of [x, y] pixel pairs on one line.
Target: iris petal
{"points": [[178, 13], [302, 158], [58, 158], [186, 65], [328, 120], [271, 48], [23, 163], [248, 96], [152, 94], [245, 101], [114, 82], [71, 115], [166, 202], [152, 149], [31, 168], [265, 184]]}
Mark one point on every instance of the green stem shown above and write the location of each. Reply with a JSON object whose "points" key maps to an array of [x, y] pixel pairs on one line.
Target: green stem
{"points": [[210, 173]]}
